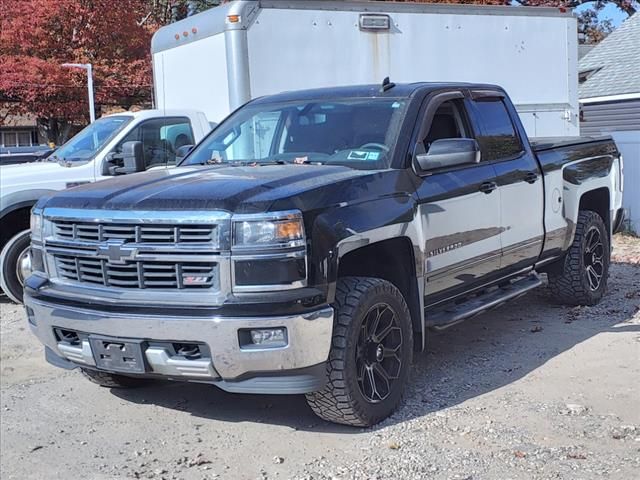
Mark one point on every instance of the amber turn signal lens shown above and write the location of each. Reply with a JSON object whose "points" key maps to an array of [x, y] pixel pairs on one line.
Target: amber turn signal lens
{"points": [[233, 18], [289, 230]]}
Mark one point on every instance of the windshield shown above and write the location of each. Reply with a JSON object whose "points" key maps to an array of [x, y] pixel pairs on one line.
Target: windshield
{"points": [[89, 141], [358, 133]]}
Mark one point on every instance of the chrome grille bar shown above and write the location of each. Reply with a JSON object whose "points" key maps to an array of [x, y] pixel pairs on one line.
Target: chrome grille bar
{"points": [[130, 251], [138, 274], [134, 233]]}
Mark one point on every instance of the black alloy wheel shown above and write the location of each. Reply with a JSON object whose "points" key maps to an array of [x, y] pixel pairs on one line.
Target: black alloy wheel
{"points": [[594, 258], [378, 353]]}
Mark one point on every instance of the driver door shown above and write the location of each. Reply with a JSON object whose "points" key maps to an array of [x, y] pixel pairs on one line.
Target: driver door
{"points": [[160, 137], [459, 208]]}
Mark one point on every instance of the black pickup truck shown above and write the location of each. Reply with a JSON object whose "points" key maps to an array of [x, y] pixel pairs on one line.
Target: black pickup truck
{"points": [[313, 239]]}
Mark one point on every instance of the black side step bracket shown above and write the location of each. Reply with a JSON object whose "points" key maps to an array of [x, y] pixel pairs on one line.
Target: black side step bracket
{"points": [[452, 314]]}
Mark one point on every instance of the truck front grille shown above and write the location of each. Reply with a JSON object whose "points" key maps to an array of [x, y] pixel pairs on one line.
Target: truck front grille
{"points": [[98, 232], [138, 274], [138, 256]]}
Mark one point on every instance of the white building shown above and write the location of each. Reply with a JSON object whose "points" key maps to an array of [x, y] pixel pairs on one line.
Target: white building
{"points": [[609, 91]]}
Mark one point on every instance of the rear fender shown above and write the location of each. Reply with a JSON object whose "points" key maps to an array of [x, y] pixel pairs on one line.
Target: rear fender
{"points": [[575, 177]]}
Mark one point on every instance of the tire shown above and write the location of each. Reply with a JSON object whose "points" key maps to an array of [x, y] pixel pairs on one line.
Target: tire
{"points": [[348, 397], [111, 380], [581, 278], [10, 281]]}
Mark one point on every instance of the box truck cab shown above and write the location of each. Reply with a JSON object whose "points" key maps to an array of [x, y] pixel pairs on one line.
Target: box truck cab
{"points": [[93, 154]]}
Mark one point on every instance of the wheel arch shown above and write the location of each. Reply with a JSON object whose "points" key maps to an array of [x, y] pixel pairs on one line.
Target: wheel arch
{"points": [[598, 201], [15, 220], [393, 260], [15, 210]]}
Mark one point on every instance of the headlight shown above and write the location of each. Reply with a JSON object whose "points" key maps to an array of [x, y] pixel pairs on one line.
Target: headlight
{"points": [[281, 232], [269, 252], [36, 225]]}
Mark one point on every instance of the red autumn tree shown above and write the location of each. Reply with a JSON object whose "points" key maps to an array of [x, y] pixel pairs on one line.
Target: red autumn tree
{"points": [[37, 36]]}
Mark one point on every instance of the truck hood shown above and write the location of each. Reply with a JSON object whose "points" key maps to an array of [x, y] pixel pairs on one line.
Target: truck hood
{"points": [[25, 183], [221, 187], [27, 173]]}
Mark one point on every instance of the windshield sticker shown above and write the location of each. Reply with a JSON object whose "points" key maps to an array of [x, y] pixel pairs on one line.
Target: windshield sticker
{"points": [[362, 155]]}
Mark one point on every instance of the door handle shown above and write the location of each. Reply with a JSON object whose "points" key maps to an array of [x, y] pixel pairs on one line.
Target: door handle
{"points": [[488, 187], [531, 177]]}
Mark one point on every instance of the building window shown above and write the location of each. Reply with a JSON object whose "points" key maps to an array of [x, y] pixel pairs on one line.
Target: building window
{"points": [[18, 138]]}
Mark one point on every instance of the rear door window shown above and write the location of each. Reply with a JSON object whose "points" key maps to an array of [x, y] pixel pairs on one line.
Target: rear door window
{"points": [[497, 137]]}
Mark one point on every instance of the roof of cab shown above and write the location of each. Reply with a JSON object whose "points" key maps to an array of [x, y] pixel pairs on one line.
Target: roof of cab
{"points": [[145, 114], [399, 90]]}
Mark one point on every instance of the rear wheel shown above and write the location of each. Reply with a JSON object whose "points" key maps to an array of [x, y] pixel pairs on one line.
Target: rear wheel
{"points": [[581, 278], [15, 265], [370, 356], [111, 380]]}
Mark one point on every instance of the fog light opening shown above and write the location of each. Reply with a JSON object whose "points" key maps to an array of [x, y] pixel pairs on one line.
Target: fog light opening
{"points": [[67, 336], [263, 337], [188, 350]]}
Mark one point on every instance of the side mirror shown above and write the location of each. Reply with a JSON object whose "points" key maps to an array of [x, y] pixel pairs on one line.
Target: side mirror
{"points": [[132, 158], [182, 152], [449, 152]]}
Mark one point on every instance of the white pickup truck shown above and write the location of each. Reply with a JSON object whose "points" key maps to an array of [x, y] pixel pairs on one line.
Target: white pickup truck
{"points": [[93, 154]]}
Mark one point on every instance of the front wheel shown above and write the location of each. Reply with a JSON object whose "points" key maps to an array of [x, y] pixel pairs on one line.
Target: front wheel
{"points": [[15, 265], [581, 278], [371, 354]]}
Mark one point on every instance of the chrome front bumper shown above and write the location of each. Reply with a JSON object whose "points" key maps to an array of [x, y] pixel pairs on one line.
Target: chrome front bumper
{"points": [[232, 367]]}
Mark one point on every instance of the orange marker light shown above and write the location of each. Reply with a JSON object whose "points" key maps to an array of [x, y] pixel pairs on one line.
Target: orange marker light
{"points": [[194, 30], [289, 230], [186, 34], [233, 18], [177, 36]]}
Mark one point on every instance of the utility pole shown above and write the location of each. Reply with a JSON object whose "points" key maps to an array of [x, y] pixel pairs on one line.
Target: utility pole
{"points": [[89, 68]]}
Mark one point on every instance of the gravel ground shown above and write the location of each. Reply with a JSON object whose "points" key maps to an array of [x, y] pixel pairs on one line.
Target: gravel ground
{"points": [[530, 391]]}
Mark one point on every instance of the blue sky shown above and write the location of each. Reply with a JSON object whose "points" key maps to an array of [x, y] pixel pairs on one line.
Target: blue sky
{"points": [[616, 15]]}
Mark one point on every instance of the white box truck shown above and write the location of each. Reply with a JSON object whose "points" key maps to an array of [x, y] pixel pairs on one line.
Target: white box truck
{"points": [[219, 59]]}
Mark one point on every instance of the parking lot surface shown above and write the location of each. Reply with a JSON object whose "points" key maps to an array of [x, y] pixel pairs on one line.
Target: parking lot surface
{"points": [[533, 390]]}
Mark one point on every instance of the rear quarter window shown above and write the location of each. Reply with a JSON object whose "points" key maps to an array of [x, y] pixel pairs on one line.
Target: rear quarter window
{"points": [[497, 137]]}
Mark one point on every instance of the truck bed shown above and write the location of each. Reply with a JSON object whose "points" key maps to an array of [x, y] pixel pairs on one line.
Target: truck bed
{"points": [[541, 144]]}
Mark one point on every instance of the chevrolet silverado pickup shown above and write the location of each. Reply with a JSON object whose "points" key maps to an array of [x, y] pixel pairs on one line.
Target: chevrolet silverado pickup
{"points": [[89, 156], [310, 243]]}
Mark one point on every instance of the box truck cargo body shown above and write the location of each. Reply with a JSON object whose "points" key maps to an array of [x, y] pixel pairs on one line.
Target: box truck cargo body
{"points": [[219, 59]]}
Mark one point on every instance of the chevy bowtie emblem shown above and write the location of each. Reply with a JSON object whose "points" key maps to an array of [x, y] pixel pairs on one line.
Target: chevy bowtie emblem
{"points": [[116, 251]]}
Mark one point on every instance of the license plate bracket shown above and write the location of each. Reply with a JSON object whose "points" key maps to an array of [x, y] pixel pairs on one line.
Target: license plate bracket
{"points": [[117, 355]]}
